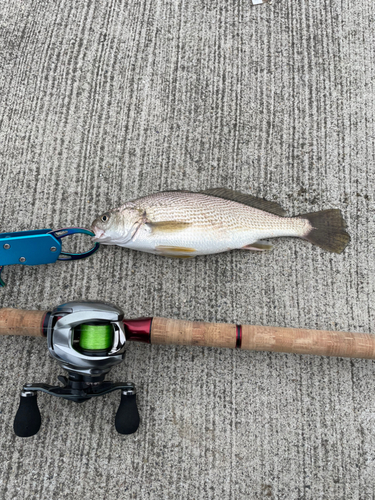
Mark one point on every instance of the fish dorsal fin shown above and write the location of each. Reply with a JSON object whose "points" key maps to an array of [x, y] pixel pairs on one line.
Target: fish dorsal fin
{"points": [[246, 199]]}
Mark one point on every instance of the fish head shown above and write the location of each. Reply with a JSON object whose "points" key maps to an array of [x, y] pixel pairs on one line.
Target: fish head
{"points": [[116, 226]]}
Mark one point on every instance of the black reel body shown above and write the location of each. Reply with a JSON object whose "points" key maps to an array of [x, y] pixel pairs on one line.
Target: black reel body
{"points": [[86, 339]]}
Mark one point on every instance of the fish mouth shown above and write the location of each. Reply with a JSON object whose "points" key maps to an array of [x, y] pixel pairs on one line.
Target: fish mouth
{"points": [[99, 234]]}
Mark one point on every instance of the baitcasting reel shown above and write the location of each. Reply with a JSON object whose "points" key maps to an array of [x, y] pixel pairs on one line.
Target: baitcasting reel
{"points": [[86, 339]]}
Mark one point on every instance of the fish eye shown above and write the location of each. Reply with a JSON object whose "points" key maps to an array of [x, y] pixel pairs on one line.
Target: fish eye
{"points": [[105, 217]]}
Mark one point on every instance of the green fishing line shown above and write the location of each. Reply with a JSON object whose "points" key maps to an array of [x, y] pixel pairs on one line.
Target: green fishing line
{"points": [[95, 337]]}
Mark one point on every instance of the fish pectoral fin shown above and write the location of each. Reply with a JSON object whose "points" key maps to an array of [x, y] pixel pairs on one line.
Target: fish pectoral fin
{"points": [[258, 247], [172, 251], [168, 226]]}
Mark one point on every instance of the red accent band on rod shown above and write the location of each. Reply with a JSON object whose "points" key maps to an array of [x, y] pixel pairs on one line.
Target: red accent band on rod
{"points": [[238, 336], [138, 330], [44, 325]]}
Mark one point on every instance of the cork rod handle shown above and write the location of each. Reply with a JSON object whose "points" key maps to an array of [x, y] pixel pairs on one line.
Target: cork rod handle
{"points": [[263, 338], [21, 322]]}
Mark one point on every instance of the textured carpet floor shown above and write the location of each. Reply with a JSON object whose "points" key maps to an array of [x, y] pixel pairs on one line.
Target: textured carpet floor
{"points": [[105, 101]]}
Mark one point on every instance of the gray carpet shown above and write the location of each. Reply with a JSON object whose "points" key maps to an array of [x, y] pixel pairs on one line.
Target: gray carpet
{"points": [[103, 102]]}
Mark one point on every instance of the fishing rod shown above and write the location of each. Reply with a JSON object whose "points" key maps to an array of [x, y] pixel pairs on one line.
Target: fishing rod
{"points": [[88, 338]]}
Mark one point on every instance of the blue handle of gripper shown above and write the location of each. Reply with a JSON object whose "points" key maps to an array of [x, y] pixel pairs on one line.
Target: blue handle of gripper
{"points": [[41, 246]]}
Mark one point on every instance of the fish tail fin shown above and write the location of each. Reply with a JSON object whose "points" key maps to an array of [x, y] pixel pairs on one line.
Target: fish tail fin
{"points": [[327, 231]]}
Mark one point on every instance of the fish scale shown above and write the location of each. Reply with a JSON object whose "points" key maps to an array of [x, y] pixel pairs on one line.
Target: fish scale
{"points": [[208, 211]]}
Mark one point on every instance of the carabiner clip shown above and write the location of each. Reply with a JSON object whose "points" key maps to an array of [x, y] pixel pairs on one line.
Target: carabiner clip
{"points": [[62, 233]]}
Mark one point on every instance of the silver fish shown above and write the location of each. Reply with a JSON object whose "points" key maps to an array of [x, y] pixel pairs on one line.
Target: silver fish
{"points": [[185, 224]]}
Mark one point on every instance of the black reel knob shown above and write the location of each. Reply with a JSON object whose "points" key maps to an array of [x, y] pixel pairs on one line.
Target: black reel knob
{"points": [[27, 420], [127, 416]]}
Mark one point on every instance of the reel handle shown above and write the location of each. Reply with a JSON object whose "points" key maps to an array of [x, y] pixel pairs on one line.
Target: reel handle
{"points": [[127, 416], [27, 420], [22, 322]]}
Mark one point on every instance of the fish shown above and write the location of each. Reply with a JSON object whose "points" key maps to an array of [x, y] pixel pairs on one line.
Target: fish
{"points": [[185, 224]]}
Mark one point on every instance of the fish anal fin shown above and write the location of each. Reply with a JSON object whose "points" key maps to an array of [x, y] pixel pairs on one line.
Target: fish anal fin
{"points": [[246, 199], [258, 247]]}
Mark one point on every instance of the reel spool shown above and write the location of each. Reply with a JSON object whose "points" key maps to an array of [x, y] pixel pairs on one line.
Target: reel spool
{"points": [[86, 339], [95, 338]]}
